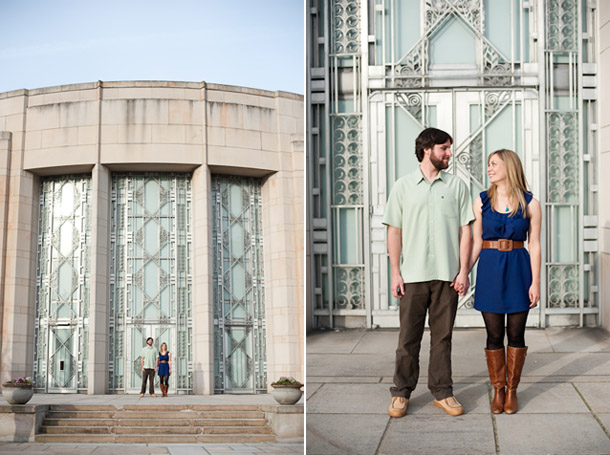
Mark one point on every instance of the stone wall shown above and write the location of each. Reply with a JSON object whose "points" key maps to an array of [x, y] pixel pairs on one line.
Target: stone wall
{"points": [[202, 128]]}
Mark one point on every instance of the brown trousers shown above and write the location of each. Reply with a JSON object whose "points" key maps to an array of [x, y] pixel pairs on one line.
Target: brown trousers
{"points": [[148, 373], [440, 301]]}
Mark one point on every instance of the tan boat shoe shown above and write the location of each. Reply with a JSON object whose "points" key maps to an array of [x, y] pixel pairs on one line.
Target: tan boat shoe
{"points": [[398, 408], [450, 405]]}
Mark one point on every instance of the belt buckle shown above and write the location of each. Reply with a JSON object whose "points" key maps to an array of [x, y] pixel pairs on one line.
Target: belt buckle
{"points": [[505, 245]]}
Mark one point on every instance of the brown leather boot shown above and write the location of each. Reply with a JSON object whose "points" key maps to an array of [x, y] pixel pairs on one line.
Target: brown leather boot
{"points": [[515, 358], [164, 387], [496, 365]]}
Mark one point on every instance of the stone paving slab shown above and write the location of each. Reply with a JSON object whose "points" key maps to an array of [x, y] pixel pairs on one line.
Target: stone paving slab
{"points": [[351, 365], [578, 339], [556, 434], [549, 399], [473, 397], [433, 435], [350, 399], [344, 341], [339, 434], [597, 396], [311, 388], [567, 364]]}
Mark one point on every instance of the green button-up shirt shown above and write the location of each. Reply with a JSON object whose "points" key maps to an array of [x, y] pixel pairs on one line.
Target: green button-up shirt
{"points": [[430, 215], [150, 357]]}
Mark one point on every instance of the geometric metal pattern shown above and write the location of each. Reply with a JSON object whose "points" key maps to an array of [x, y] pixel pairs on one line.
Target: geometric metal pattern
{"points": [[346, 36], [239, 288], [62, 284], [150, 276], [412, 69], [516, 80]]}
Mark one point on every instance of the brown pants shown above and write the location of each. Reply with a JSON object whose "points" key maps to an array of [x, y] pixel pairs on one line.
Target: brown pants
{"points": [[148, 373], [440, 301]]}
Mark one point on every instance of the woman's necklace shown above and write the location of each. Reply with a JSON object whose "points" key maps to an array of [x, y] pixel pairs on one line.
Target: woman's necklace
{"points": [[506, 205]]}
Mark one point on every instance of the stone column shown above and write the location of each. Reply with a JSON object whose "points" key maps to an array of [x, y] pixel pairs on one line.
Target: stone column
{"points": [[5, 163], [99, 286], [203, 271], [283, 230], [20, 263]]}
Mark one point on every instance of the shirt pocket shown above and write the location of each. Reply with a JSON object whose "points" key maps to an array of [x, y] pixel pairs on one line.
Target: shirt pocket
{"points": [[448, 205]]}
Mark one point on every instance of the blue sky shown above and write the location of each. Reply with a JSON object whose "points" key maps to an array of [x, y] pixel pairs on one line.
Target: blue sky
{"points": [[248, 43]]}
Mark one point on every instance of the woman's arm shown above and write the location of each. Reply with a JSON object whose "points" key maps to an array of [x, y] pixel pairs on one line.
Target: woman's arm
{"points": [[169, 362], [477, 233], [533, 245]]}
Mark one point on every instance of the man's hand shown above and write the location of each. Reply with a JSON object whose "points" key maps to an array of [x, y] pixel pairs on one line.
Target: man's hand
{"points": [[398, 286], [461, 283]]}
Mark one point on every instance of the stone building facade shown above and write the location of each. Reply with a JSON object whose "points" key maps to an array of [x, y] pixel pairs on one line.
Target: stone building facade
{"points": [[165, 209]]}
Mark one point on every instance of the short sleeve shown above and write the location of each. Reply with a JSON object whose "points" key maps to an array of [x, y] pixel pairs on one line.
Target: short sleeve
{"points": [[466, 215], [528, 197], [393, 209]]}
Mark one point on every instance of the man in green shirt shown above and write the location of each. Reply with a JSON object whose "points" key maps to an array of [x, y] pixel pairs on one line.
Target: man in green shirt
{"points": [[149, 367], [428, 215]]}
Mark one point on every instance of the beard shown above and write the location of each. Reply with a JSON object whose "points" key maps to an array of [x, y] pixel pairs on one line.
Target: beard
{"points": [[439, 164]]}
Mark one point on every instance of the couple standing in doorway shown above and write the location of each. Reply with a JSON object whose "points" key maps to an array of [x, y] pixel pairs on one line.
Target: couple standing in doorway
{"points": [[155, 362], [440, 234]]}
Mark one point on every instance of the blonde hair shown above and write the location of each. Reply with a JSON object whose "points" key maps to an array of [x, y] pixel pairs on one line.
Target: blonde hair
{"points": [[160, 347], [516, 184]]}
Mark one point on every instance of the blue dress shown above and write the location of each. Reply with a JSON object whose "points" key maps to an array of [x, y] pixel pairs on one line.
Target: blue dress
{"points": [[503, 277], [163, 367]]}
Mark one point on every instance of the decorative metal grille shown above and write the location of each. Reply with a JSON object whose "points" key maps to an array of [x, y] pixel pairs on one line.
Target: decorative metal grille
{"points": [[62, 284], [412, 69], [239, 286], [150, 277], [346, 29]]}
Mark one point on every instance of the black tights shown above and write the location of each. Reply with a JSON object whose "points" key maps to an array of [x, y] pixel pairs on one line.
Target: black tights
{"points": [[494, 323], [164, 380]]}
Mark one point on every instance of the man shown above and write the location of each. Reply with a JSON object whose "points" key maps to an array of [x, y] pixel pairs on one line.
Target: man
{"points": [[149, 367], [428, 215]]}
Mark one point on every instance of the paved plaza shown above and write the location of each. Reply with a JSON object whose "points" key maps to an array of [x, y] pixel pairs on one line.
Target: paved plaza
{"points": [[564, 397]]}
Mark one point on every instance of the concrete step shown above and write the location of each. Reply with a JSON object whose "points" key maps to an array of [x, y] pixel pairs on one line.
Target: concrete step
{"points": [[54, 429], [190, 407], [237, 430], [189, 415], [79, 422], [81, 407], [157, 430], [155, 439], [80, 414]]}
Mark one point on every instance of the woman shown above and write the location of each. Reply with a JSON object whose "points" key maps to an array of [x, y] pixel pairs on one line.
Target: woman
{"points": [[508, 277], [164, 364]]}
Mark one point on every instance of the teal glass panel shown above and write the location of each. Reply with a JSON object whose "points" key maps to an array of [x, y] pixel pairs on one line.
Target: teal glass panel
{"points": [[431, 117], [499, 133], [345, 106], [526, 34], [347, 237], [406, 26], [62, 284], [400, 140], [564, 235], [239, 300], [518, 131], [453, 43], [498, 25]]}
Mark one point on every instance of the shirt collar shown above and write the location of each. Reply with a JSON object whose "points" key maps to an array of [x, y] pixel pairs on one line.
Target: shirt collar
{"points": [[418, 176]]}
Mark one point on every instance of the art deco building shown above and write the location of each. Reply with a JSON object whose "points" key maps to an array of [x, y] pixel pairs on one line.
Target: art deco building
{"points": [[164, 209], [527, 75]]}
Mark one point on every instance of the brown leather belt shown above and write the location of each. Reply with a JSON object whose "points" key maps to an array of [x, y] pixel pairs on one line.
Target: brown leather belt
{"points": [[502, 244], [163, 361]]}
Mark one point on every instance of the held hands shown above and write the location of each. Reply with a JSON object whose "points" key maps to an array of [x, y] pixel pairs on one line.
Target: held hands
{"points": [[534, 294], [461, 283], [398, 286]]}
